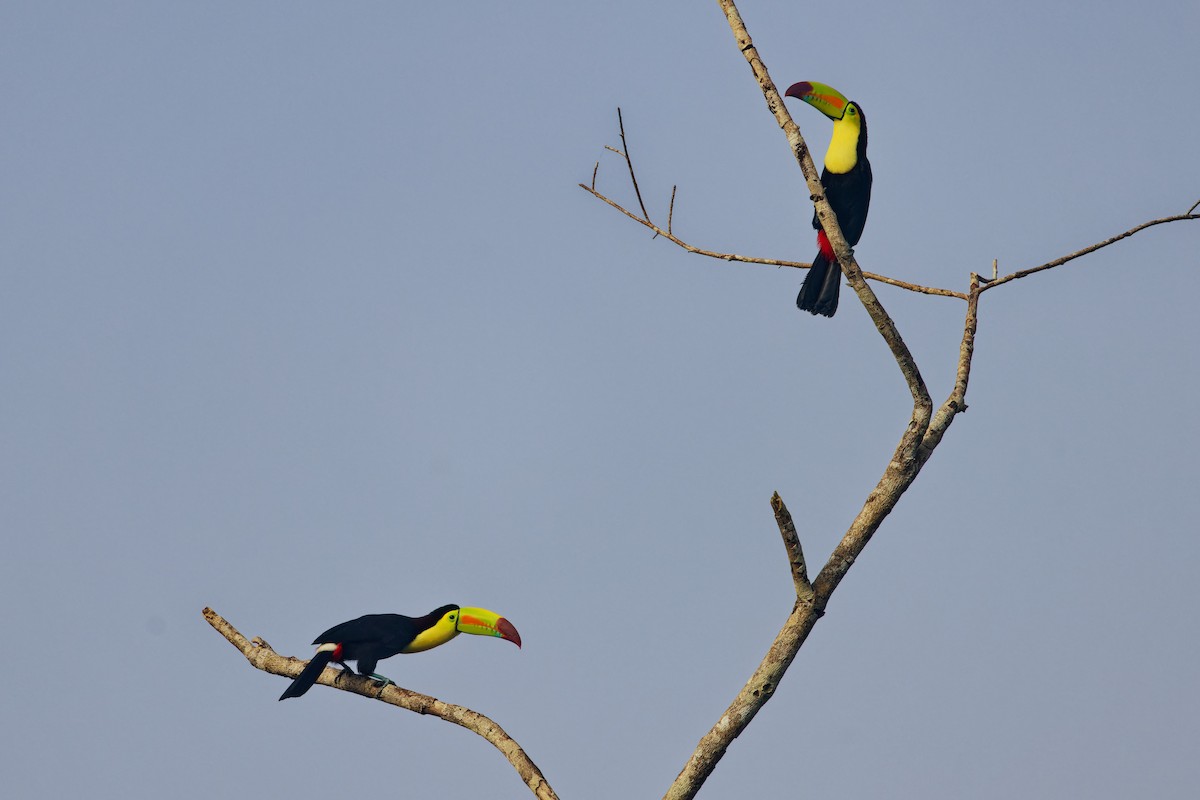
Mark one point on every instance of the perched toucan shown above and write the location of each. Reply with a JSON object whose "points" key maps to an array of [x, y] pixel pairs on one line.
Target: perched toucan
{"points": [[847, 182], [374, 637]]}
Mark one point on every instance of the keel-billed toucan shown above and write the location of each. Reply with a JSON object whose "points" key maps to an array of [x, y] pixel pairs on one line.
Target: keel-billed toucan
{"points": [[374, 637], [847, 182]]}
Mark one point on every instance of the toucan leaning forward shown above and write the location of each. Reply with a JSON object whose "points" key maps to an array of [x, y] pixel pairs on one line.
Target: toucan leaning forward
{"points": [[370, 639], [847, 182]]}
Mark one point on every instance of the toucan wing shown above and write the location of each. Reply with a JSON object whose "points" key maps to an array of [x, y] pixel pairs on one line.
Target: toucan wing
{"points": [[850, 199]]}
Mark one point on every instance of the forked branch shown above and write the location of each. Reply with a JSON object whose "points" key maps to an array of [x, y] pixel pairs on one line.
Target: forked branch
{"points": [[901, 471], [261, 656], [923, 434], [762, 684]]}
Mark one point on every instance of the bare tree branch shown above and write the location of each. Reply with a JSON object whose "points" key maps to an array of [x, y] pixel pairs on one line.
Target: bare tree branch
{"points": [[883, 323], [261, 656], [671, 209], [754, 695], [762, 684], [986, 283], [791, 541], [899, 474], [924, 432], [666, 234], [629, 161], [1058, 262], [956, 403], [922, 435], [669, 235], [966, 351]]}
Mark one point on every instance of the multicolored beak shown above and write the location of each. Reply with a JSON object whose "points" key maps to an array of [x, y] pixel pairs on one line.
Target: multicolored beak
{"points": [[481, 622], [826, 99]]}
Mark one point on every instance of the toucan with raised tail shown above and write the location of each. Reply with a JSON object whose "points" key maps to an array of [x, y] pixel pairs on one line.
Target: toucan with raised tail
{"points": [[847, 182], [370, 639]]}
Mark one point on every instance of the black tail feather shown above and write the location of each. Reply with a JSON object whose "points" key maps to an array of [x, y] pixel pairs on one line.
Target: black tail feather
{"points": [[308, 676], [819, 293]]}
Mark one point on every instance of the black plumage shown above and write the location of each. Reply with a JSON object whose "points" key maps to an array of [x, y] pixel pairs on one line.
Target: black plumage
{"points": [[367, 641], [849, 194]]}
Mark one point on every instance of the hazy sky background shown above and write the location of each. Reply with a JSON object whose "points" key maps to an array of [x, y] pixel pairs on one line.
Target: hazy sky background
{"points": [[303, 317]]}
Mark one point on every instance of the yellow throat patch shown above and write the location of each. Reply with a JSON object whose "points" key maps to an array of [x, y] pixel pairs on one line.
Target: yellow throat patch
{"points": [[842, 155], [440, 632]]}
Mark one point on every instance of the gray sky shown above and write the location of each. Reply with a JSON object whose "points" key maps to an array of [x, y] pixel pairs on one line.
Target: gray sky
{"points": [[303, 317]]}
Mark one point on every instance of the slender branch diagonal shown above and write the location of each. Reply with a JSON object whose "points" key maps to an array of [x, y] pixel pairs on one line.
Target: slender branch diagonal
{"points": [[1058, 262], [629, 161]]}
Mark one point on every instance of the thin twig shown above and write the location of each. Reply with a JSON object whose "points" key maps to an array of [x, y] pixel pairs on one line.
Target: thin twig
{"points": [[629, 161], [261, 656], [595, 170], [1193, 208], [671, 209], [791, 541]]}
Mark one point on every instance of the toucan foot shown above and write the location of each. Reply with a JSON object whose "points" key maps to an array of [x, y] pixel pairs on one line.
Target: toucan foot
{"points": [[383, 681]]}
